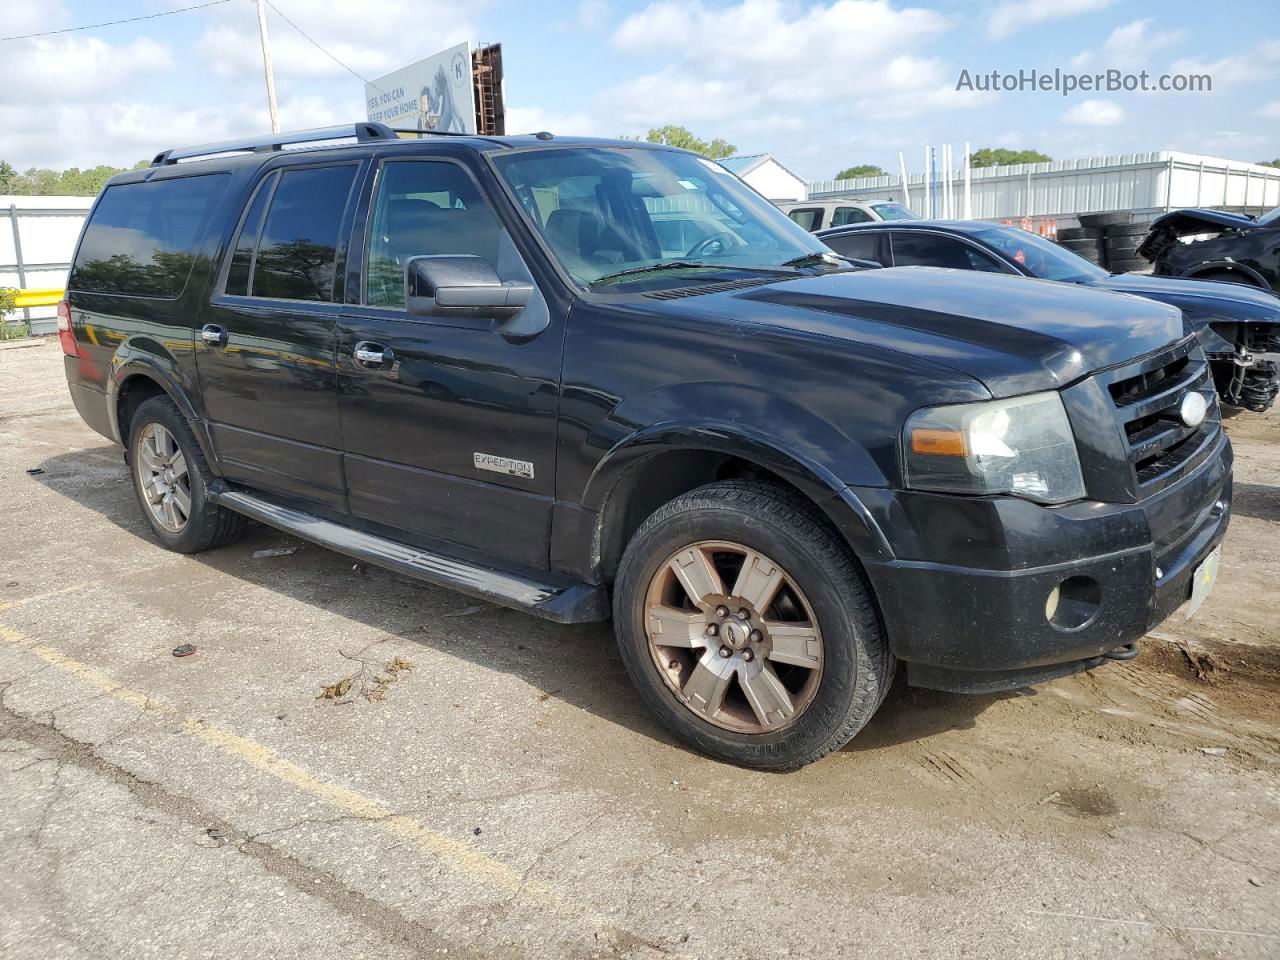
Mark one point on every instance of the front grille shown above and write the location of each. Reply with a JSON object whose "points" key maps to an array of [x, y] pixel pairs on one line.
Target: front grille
{"points": [[1148, 395]]}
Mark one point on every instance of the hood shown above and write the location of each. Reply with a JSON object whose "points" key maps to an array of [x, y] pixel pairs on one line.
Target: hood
{"points": [[1200, 300], [1185, 222], [1014, 334]]}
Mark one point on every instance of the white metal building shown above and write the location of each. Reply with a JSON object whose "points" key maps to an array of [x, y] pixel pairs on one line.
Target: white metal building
{"points": [[767, 176], [37, 237], [1146, 183]]}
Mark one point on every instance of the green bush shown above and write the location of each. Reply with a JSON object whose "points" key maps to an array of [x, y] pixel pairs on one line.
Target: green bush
{"points": [[8, 330]]}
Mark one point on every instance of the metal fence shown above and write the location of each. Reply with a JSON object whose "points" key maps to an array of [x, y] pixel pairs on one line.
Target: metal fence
{"points": [[36, 246], [1144, 182]]}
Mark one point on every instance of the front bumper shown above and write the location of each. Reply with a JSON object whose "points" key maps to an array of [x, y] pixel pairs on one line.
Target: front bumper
{"points": [[973, 616]]}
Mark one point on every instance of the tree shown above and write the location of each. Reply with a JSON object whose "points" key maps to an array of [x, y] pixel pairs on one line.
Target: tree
{"points": [[680, 137], [999, 157], [41, 182], [862, 170], [1269, 163]]}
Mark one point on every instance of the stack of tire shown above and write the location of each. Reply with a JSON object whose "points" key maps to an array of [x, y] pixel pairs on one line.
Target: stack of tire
{"points": [[1110, 240]]}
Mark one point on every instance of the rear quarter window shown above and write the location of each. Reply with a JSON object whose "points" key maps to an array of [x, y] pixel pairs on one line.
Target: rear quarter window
{"points": [[144, 238]]}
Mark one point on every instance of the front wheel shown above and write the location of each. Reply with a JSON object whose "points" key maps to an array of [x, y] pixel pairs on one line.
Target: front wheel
{"points": [[748, 627]]}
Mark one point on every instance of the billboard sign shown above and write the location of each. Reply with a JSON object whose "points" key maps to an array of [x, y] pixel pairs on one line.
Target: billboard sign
{"points": [[432, 94]]}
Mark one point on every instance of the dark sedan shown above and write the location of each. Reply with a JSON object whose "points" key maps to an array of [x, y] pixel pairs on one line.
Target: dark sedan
{"points": [[1235, 323]]}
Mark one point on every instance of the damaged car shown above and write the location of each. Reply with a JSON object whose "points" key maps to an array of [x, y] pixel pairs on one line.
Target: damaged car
{"points": [[1235, 325], [1216, 245]]}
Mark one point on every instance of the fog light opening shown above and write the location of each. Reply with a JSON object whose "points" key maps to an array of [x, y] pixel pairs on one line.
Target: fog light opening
{"points": [[1073, 603]]}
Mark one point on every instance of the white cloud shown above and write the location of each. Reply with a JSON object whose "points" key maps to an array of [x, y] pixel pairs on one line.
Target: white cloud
{"points": [[55, 69], [535, 119], [1270, 111], [372, 37], [1011, 16], [1249, 66], [1132, 45], [733, 65], [1095, 113], [592, 13]]}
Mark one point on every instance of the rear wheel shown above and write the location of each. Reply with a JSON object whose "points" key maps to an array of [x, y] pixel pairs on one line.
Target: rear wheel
{"points": [[748, 628], [171, 480]]}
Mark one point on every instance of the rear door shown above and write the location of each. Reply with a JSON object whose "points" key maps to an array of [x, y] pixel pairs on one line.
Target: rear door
{"points": [[861, 245], [266, 347], [919, 248], [451, 435]]}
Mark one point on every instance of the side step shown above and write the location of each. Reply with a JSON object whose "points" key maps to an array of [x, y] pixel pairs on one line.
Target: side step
{"points": [[579, 603]]}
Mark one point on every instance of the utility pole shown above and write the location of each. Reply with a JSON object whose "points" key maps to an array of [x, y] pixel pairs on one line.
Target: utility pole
{"points": [[266, 67]]}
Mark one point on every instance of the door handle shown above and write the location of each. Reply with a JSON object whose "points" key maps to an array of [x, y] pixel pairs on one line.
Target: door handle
{"points": [[213, 335], [372, 354]]}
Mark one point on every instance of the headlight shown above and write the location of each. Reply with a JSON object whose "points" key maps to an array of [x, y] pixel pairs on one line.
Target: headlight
{"points": [[1023, 446]]}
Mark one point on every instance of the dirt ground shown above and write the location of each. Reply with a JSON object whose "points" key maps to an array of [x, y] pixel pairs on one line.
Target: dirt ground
{"points": [[501, 792]]}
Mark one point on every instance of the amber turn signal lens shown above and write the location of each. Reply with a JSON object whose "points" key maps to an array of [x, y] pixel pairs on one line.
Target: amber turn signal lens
{"points": [[941, 443]]}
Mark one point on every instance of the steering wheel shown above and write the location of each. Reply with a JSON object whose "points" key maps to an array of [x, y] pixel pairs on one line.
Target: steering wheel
{"points": [[713, 245]]}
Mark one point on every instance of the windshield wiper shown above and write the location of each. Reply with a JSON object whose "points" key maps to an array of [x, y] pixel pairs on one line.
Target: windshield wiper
{"points": [[682, 265]]}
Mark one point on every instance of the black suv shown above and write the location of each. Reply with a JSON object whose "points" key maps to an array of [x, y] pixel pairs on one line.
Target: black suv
{"points": [[579, 377]]}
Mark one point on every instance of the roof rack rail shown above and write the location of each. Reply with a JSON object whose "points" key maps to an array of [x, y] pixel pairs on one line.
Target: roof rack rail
{"points": [[362, 132], [434, 133]]}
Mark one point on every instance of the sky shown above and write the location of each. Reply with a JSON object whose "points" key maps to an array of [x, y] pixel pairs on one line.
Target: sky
{"points": [[820, 85]]}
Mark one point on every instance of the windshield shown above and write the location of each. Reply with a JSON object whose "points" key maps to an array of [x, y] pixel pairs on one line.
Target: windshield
{"points": [[1271, 216], [894, 211], [1040, 257], [622, 220]]}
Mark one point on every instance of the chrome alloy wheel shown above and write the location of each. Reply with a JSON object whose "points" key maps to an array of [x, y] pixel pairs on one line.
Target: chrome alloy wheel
{"points": [[162, 475], [733, 636]]}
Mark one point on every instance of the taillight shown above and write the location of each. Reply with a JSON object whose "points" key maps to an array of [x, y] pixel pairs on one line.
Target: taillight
{"points": [[66, 336]]}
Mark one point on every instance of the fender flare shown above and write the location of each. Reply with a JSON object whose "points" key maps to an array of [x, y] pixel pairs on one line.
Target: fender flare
{"points": [[826, 490], [148, 360], [1228, 266]]}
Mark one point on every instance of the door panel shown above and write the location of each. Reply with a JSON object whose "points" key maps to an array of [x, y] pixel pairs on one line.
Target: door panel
{"points": [[453, 393], [269, 383]]}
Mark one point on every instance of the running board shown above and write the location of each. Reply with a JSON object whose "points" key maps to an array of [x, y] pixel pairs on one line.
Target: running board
{"points": [[579, 603]]}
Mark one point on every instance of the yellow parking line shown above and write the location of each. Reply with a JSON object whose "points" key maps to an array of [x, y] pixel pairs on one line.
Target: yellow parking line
{"points": [[456, 855], [40, 596]]}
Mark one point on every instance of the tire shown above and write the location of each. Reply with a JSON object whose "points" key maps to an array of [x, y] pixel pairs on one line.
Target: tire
{"points": [[1128, 265], [1123, 250], [1079, 233], [1089, 249], [1128, 230], [206, 525], [1110, 219], [854, 668]]}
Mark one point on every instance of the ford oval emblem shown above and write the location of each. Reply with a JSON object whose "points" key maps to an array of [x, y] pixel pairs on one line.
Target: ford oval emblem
{"points": [[1193, 408]]}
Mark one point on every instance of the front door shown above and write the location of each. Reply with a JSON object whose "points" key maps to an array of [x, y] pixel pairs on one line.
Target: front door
{"points": [[266, 344], [449, 425]]}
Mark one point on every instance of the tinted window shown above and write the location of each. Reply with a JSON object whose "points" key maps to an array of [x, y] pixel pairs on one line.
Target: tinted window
{"points": [[143, 238], [300, 234], [1040, 257], [930, 250], [424, 209], [845, 215], [810, 218], [861, 246], [242, 259]]}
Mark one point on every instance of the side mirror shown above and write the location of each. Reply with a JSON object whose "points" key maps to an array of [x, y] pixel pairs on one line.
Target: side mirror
{"points": [[449, 286]]}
